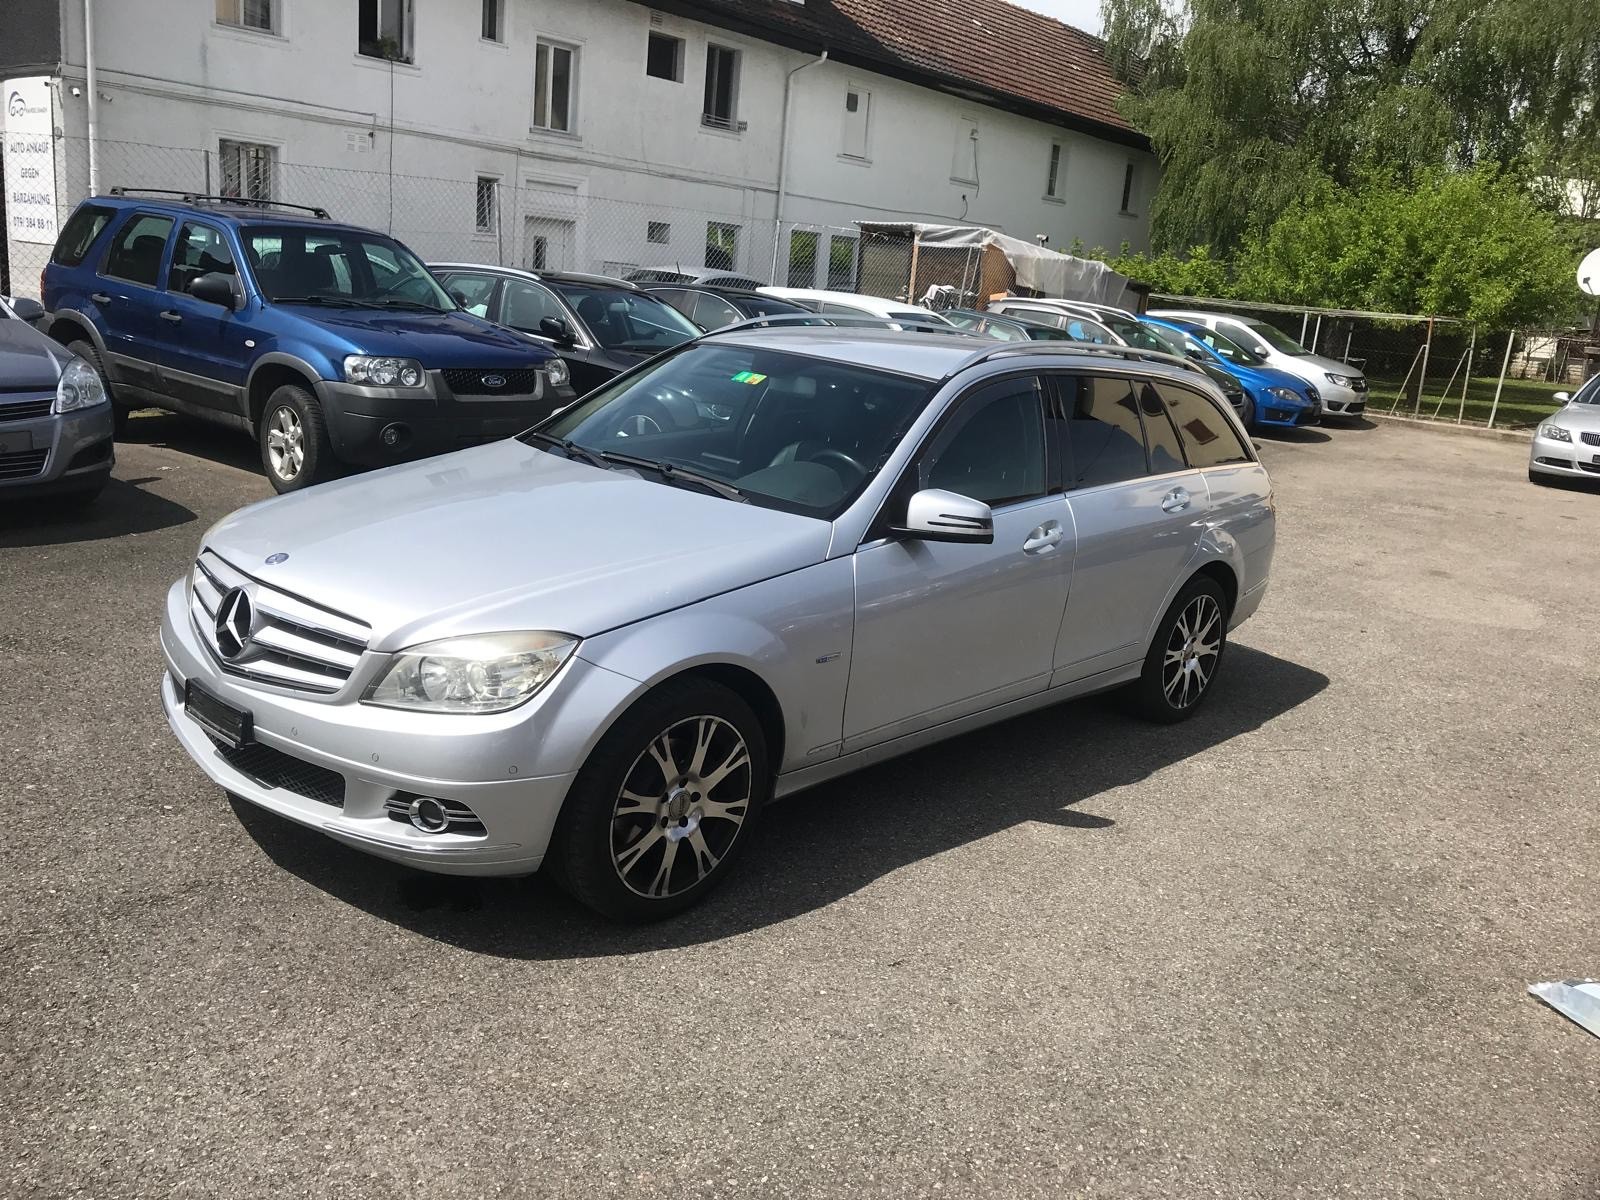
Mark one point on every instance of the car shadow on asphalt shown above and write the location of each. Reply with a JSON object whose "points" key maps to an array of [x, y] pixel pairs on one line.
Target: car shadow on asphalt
{"points": [[1298, 433], [124, 507], [827, 843], [189, 435]]}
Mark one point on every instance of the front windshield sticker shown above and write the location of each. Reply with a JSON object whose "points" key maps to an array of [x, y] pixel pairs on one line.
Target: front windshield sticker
{"points": [[749, 377]]}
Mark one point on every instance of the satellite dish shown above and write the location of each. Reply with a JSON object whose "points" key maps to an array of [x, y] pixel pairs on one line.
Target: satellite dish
{"points": [[1589, 274]]}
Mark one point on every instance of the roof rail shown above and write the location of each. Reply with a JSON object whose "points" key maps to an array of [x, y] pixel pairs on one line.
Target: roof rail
{"points": [[864, 320], [1018, 349], [203, 198]]}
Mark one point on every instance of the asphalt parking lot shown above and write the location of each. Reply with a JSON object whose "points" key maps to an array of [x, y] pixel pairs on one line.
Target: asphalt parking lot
{"points": [[1281, 950]]}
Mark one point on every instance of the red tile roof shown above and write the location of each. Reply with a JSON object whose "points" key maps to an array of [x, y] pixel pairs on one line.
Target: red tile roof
{"points": [[992, 49]]}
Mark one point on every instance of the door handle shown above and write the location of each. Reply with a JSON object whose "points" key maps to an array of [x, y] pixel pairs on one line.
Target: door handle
{"points": [[169, 315], [1042, 538], [1175, 501], [100, 297]]}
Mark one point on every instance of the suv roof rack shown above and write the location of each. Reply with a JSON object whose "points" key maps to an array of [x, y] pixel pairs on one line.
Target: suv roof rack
{"points": [[812, 319], [1016, 349], [203, 198]]}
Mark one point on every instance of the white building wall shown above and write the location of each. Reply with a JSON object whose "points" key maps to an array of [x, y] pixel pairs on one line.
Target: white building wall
{"points": [[400, 146]]}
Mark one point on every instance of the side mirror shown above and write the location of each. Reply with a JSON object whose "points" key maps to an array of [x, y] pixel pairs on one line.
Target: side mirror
{"points": [[30, 311], [1559, 397], [1195, 354], [934, 515], [214, 288], [459, 297], [557, 329]]}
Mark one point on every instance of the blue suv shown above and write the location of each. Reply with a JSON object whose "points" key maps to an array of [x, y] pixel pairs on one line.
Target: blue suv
{"points": [[328, 343]]}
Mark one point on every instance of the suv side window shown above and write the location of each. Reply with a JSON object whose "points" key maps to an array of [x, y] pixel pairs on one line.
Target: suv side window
{"points": [[1103, 431], [72, 247], [1207, 434], [136, 253], [199, 250], [1160, 438], [994, 448]]}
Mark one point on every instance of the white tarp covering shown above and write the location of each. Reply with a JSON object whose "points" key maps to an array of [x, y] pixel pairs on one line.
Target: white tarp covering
{"points": [[1039, 268]]}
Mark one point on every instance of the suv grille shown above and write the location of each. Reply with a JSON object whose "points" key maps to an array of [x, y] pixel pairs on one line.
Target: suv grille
{"points": [[23, 465], [292, 642], [275, 769], [469, 381], [23, 410]]}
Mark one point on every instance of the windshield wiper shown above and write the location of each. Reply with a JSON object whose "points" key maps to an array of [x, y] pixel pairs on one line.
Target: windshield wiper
{"points": [[573, 450], [336, 301], [402, 302], [672, 473]]}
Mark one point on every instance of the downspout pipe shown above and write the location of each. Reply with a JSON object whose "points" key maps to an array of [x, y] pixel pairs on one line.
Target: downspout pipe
{"points": [[94, 97], [783, 155]]}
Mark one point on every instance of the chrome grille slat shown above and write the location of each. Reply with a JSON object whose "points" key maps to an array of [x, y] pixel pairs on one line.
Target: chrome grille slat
{"points": [[293, 644]]}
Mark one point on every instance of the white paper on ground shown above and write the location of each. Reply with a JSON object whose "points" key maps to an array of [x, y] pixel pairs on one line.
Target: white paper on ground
{"points": [[1578, 999]]}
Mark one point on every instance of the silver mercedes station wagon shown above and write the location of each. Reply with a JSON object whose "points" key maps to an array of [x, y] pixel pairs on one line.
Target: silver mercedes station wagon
{"points": [[752, 564]]}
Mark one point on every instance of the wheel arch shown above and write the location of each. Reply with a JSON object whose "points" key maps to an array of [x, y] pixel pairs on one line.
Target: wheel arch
{"points": [[271, 372], [1225, 578], [69, 326]]}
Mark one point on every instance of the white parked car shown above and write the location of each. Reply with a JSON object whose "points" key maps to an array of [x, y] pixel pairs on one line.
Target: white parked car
{"points": [[1567, 443], [850, 304], [1341, 387]]}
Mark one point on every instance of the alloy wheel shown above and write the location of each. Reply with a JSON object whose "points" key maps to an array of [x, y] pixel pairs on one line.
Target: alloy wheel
{"points": [[286, 443], [681, 806], [1192, 649]]}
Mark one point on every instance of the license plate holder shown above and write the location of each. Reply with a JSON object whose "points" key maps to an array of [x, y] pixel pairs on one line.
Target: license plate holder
{"points": [[18, 441], [231, 726]]}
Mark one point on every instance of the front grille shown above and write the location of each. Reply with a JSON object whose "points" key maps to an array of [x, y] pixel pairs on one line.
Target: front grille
{"points": [[24, 464], [275, 769], [1590, 439], [293, 643], [1358, 384], [1313, 395], [26, 410], [469, 381], [462, 818]]}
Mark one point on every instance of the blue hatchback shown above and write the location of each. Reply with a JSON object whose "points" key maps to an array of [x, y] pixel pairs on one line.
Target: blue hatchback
{"points": [[1272, 397], [328, 343]]}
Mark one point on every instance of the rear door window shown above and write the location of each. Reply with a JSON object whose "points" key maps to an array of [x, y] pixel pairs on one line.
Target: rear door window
{"points": [[1208, 436], [136, 251], [1104, 437], [1160, 438], [72, 247]]}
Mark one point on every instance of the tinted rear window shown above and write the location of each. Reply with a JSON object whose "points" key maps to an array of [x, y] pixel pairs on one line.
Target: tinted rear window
{"points": [[1207, 434], [79, 234]]}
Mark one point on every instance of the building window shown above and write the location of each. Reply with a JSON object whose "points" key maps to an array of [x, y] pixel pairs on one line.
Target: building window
{"points": [[802, 258], [722, 88], [494, 18], [663, 58], [383, 29], [1052, 181], [857, 110], [248, 14], [722, 246], [658, 232], [555, 80], [1127, 189], [964, 158], [841, 263], [488, 212], [247, 169]]}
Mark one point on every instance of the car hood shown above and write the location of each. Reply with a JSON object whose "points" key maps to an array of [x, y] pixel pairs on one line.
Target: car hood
{"points": [[1580, 418], [1265, 377], [28, 360], [1320, 366], [507, 537], [445, 339]]}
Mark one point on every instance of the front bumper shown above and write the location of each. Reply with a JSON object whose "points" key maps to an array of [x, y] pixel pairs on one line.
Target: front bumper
{"points": [[53, 454], [512, 770], [428, 420], [1572, 460], [1283, 414], [1338, 401]]}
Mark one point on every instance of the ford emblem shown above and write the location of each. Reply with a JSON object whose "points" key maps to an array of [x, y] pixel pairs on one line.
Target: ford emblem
{"points": [[494, 381]]}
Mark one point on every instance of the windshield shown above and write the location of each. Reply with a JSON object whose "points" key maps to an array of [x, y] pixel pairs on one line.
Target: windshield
{"points": [[1276, 338], [1589, 393], [1171, 342], [1225, 347], [627, 320], [298, 263], [800, 434], [1138, 335]]}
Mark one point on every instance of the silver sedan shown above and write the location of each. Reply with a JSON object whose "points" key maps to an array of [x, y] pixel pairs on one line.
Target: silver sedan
{"points": [[766, 558], [1567, 444]]}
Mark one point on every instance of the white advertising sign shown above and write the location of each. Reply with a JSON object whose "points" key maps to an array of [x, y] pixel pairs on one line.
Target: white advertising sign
{"points": [[30, 159]]}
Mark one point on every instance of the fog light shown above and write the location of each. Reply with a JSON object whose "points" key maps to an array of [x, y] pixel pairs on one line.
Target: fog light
{"points": [[429, 815], [394, 436]]}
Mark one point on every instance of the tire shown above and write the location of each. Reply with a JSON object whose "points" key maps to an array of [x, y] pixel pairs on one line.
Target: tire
{"points": [[1247, 414], [293, 437], [85, 350], [633, 837], [1162, 694]]}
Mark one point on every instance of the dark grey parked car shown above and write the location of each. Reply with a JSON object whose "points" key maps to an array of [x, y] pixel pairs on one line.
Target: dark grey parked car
{"points": [[55, 422]]}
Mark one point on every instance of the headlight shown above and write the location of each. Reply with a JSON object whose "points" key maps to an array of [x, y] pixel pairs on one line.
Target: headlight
{"points": [[484, 674], [556, 372], [383, 372], [1341, 380], [1286, 394], [79, 387], [1555, 433]]}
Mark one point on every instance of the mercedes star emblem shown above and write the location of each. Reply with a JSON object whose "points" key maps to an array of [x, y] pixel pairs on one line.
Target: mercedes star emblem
{"points": [[235, 619]]}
